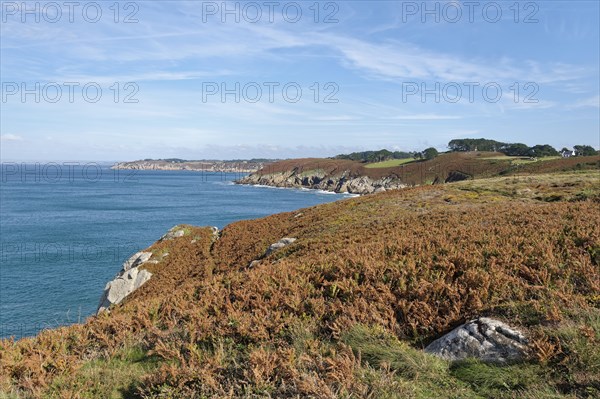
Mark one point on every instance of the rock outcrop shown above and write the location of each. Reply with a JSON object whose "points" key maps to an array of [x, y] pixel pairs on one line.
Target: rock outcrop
{"points": [[174, 232], [342, 183], [129, 279], [284, 242], [485, 339]]}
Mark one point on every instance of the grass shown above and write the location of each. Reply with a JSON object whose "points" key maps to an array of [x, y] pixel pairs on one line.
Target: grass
{"points": [[389, 163], [524, 161], [346, 312], [412, 373], [502, 157], [493, 381], [116, 377]]}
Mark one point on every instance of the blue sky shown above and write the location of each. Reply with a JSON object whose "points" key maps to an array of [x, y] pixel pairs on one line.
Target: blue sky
{"points": [[372, 61]]}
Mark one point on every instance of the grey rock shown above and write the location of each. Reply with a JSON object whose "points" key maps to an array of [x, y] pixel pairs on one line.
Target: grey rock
{"points": [[174, 232], [485, 339], [129, 279], [284, 242], [136, 260]]}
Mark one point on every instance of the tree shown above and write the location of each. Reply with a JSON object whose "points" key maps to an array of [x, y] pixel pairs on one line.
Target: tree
{"points": [[515, 150], [585, 150], [474, 145], [543, 150], [375, 156], [430, 153]]}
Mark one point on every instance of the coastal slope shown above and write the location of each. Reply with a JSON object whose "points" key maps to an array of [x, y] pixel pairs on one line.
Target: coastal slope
{"points": [[347, 176], [339, 300]]}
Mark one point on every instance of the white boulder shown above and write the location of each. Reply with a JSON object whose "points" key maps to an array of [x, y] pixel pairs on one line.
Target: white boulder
{"points": [[485, 339], [129, 279]]}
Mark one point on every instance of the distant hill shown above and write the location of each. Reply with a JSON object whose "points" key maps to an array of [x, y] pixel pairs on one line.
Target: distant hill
{"points": [[232, 166]]}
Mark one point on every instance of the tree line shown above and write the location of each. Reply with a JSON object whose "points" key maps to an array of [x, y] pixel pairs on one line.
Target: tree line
{"points": [[516, 149], [463, 145], [386, 155]]}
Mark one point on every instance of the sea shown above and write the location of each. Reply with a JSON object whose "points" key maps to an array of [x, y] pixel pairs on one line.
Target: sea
{"points": [[66, 228]]}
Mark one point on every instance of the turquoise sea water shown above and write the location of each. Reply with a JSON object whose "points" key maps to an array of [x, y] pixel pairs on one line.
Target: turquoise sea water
{"points": [[66, 230]]}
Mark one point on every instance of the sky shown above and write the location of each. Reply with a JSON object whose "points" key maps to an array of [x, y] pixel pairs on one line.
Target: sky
{"points": [[115, 81]]}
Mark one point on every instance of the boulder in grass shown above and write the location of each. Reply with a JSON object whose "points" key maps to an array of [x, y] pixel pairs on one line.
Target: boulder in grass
{"points": [[486, 339]]}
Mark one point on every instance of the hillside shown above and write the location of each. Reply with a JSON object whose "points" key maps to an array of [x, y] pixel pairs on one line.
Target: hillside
{"points": [[345, 309], [341, 175]]}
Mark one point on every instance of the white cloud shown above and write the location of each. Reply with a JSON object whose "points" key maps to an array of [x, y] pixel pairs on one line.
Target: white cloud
{"points": [[426, 117], [10, 137], [593, 102], [336, 118]]}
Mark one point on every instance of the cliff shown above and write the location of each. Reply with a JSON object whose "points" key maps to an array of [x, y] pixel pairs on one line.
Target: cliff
{"points": [[339, 300], [342, 183]]}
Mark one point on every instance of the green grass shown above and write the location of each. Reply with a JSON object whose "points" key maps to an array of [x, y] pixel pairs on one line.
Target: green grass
{"points": [[9, 395], [394, 369], [526, 160], [116, 378], [492, 381], [520, 160], [389, 163]]}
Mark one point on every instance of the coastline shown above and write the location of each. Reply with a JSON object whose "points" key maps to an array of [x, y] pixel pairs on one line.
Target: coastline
{"points": [[299, 188], [340, 184]]}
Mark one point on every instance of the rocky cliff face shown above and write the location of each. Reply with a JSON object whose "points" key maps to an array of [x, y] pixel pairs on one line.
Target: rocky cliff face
{"points": [[132, 275], [342, 183], [129, 279]]}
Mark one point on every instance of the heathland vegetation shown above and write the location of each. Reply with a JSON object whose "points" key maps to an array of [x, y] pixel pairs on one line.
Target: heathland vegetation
{"points": [[345, 310], [373, 171], [344, 175]]}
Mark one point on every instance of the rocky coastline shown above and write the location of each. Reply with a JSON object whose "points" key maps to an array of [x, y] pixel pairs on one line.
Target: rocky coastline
{"points": [[342, 183]]}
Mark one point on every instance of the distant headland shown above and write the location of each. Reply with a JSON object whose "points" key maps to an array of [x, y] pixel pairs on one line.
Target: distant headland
{"points": [[231, 166]]}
